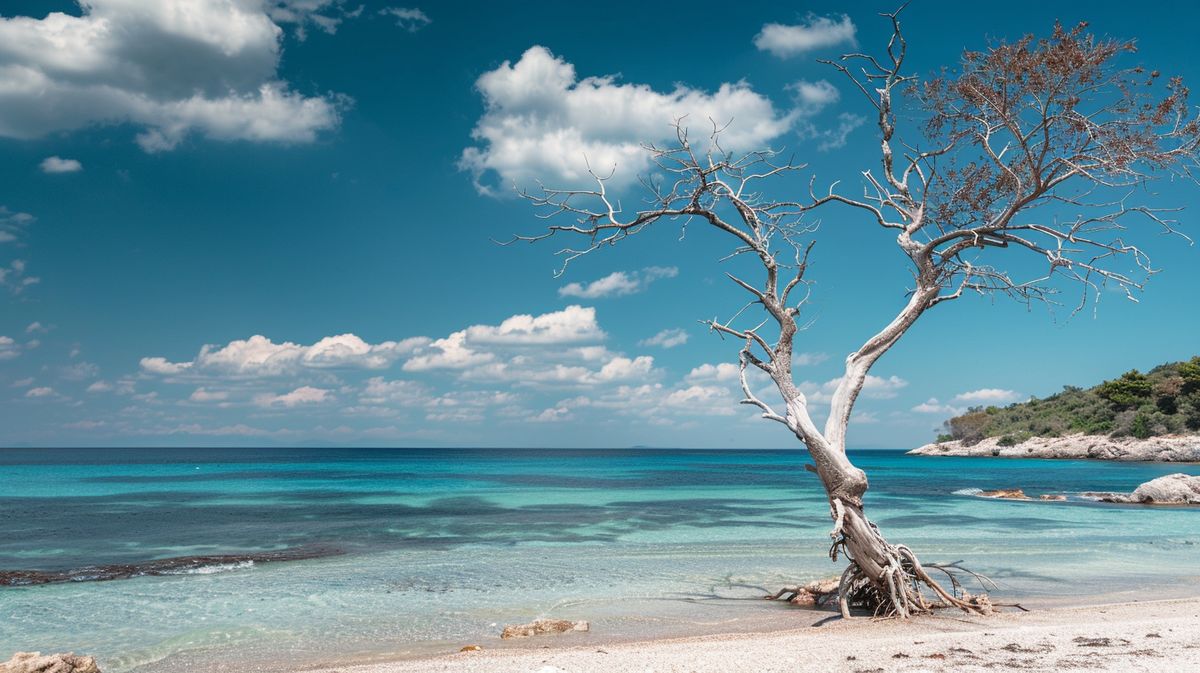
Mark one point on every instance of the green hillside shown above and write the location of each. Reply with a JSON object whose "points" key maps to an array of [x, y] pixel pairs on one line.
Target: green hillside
{"points": [[1164, 401]]}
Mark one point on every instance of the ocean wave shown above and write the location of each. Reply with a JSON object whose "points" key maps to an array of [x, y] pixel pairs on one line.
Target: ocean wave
{"points": [[967, 491], [212, 569]]}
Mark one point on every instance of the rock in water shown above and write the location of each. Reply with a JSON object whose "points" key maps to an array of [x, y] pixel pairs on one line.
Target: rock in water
{"points": [[542, 626], [1173, 489], [1005, 494], [34, 662]]}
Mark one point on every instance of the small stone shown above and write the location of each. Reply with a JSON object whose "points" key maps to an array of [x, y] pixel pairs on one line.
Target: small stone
{"points": [[471, 648]]}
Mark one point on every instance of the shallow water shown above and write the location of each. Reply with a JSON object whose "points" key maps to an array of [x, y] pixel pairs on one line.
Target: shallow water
{"points": [[442, 547]]}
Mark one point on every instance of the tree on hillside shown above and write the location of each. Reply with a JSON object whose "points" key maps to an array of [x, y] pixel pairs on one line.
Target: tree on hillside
{"points": [[1037, 148]]}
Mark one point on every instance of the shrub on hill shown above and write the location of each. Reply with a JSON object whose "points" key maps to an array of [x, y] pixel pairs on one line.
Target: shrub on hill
{"points": [[1166, 400]]}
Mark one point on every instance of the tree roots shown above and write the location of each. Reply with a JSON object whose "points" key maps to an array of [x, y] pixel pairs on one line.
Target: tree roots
{"points": [[906, 589], [883, 579]]}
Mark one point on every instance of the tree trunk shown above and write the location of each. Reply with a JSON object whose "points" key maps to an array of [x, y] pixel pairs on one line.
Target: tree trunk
{"points": [[885, 579]]}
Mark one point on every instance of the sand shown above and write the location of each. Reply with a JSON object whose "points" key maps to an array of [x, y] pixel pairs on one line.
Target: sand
{"points": [[1161, 636]]}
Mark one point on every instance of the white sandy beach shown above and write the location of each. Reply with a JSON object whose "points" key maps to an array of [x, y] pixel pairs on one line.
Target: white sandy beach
{"points": [[1161, 635]]}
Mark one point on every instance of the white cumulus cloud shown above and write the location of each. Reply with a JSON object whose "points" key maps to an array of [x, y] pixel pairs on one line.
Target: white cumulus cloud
{"points": [[259, 356], [8, 348], [815, 32], [300, 396], [168, 67], [572, 324], [723, 371], [541, 121], [57, 164], [814, 96], [449, 353]]}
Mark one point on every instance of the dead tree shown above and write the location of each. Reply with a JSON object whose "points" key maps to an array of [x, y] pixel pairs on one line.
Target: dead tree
{"points": [[1042, 146]]}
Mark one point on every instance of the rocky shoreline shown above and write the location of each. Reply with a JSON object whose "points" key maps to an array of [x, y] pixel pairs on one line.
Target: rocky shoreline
{"points": [[1172, 489], [1166, 449]]}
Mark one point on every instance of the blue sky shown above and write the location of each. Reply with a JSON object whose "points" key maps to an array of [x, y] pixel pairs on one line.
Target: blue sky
{"points": [[265, 223]]}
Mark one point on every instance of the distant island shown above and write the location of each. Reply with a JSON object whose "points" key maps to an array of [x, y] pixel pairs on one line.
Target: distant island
{"points": [[1136, 416]]}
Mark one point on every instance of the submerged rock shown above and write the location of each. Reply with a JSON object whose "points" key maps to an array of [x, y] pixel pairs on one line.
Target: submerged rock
{"points": [[1051, 496], [178, 565], [1173, 489], [34, 662], [1005, 494], [542, 626]]}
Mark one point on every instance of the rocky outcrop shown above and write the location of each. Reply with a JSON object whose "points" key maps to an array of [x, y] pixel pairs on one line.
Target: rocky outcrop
{"points": [[542, 626], [1173, 449], [34, 662], [1173, 489]]}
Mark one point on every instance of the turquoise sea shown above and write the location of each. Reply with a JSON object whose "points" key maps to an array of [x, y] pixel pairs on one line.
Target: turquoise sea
{"points": [[336, 554]]}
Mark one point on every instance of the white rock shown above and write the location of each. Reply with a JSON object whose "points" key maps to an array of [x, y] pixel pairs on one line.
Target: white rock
{"points": [[1173, 489]]}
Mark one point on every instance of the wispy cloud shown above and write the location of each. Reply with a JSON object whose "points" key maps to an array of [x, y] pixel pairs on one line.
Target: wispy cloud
{"points": [[618, 283], [408, 18], [933, 406], [989, 395], [668, 338]]}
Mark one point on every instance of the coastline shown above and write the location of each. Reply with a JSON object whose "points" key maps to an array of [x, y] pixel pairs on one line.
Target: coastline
{"points": [[1132, 636], [443, 550], [1165, 449]]}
